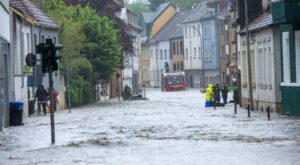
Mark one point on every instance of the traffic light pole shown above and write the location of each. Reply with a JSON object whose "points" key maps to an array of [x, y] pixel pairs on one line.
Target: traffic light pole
{"points": [[51, 107]]}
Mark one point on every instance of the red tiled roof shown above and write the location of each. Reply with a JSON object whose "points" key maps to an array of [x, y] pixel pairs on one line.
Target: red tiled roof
{"points": [[32, 11]]}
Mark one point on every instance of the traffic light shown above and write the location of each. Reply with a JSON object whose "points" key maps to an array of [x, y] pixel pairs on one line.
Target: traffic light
{"points": [[55, 56], [49, 56]]}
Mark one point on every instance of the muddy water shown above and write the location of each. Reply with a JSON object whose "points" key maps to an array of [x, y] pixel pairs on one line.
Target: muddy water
{"points": [[171, 128]]}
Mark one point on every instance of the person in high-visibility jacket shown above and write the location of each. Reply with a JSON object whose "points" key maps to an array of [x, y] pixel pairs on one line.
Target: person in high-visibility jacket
{"points": [[209, 95]]}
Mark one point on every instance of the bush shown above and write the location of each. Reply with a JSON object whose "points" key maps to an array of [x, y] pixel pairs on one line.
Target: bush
{"points": [[127, 92]]}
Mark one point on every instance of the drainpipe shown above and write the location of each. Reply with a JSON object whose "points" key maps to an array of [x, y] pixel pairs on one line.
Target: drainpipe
{"points": [[22, 52], [157, 56]]}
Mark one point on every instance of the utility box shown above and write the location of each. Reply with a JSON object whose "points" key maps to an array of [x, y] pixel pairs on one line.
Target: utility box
{"points": [[16, 113], [286, 11]]}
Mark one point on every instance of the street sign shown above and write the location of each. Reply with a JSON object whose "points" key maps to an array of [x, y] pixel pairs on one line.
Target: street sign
{"points": [[27, 68], [30, 59]]}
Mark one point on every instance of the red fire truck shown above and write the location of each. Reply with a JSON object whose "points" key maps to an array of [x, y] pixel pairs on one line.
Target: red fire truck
{"points": [[173, 81]]}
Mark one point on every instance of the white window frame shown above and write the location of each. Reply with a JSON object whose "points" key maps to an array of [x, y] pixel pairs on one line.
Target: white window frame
{"points": [[286, 57], [297, 45]]}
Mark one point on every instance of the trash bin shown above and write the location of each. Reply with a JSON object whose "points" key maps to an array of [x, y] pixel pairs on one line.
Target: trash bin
{"points": [[16, 113], [31, 107]]}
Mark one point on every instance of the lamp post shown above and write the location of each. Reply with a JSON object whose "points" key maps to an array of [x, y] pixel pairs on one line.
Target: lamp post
{"points": [[248, 56]]}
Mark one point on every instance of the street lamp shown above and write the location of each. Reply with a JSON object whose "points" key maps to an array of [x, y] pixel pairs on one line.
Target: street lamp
{"points": [[248, 55]]}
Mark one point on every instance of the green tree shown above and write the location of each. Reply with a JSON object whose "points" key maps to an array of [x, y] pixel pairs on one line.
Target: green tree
{"points": [[155, 3], [91, 47], [181, 4], [184, 5], [139, 7]]}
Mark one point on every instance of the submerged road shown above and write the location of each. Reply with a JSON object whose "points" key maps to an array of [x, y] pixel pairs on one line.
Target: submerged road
{"points": [[170, 128]]}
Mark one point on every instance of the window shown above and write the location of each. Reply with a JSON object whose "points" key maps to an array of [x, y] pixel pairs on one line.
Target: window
{"points": [[212, 30], [195, 53], [198, 30], [174, 48], [161, 54], [186, 53], [166, 57], [43, 39], [190, 34], [297, 37], [182, 66], [213, 53], [244, 67], [199, 57], [54, 40], [28, 43], [181, 47], [185, 32], [253, 67], [34, 42], [151, 53], [178, 47], [286, 57], [174, 67], [194, 31]]}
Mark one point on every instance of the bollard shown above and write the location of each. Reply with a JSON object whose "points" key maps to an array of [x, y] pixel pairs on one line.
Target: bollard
{"points": [[235, 111], [248, 108], [214, 102], [269, 113]]}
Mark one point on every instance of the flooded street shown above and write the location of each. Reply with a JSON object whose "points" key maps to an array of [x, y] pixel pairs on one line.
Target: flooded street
{"points": [[170, 128]]}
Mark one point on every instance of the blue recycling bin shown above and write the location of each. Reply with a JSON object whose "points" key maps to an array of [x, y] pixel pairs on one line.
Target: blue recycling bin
{"points": [[16, 113]]}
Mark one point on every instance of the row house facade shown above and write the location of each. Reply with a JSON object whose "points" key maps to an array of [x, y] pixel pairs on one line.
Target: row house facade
{"points": [[197, 43], [158, 50], [24, 26], [29, 27], [206, 44], [265, 58], [167, 45], [4, 54], [286, 17], [193, 45], [131, 71], [264, 52], [211, 58]]}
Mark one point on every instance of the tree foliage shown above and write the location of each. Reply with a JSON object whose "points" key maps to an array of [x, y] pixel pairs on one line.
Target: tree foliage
{"points": [[91, 46], [181, 4], [139, 7]]}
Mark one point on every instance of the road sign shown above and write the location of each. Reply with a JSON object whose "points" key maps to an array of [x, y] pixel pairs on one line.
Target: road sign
{"points": [[27, 68], [31, 59]]}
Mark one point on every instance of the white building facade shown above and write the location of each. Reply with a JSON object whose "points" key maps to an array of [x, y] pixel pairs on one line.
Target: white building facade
{"points": [[29, 27], [4, 54], [193, 51], [265, 62], [131, 63]]}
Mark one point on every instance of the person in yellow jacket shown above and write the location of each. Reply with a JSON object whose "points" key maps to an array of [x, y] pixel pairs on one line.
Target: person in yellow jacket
{"points": [[209, 95]]}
